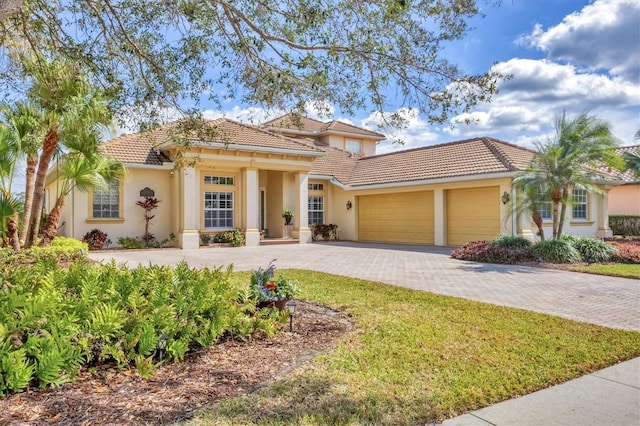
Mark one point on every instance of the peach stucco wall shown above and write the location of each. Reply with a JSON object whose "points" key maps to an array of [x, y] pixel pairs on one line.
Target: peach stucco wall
{"points": [[625, 200]]}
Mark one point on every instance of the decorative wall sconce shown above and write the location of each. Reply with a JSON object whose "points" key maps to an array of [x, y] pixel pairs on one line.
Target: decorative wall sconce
{"points": [[506, 197], [349, 205]]}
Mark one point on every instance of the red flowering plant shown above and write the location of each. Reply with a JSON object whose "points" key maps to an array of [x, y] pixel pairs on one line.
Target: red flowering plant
{"points": [[265, 287]]}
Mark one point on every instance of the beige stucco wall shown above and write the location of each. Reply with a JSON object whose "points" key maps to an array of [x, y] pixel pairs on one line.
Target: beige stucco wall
{"points": [[131, 224], [625, 200]]}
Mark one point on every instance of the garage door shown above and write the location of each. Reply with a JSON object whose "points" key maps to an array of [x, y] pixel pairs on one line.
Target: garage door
{"points": [[398, 218], [472, 214]]}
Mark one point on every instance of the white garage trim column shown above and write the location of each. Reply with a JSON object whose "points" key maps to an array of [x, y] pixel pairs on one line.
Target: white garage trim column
{"points": [[603, 213], [251, 207], [439, 215], [188, 236], [301, 229]]}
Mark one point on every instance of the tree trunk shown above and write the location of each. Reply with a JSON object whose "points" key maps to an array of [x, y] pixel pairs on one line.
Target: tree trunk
{"points": [[563, 211], [537, 219], [48, 148], [51, 226], [556, 196], [12, 231], [30, 174]]}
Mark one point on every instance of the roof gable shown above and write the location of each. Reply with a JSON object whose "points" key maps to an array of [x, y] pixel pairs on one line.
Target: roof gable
{"points": [[300, 124]]}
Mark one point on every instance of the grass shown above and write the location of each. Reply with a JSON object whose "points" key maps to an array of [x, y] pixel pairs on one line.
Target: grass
{"points": [[612, 269], [419, 357]]}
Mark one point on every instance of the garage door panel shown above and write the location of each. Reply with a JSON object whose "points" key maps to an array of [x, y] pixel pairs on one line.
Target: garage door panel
{"points": [[472, 214], [401, 218]]}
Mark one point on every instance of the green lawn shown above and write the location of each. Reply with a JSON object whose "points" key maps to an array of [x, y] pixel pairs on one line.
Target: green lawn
{"points": [[418, 357], [613, 269]]}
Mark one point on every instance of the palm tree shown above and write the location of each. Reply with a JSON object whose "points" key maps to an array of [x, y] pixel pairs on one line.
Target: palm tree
{"points": [[23, 120], [569, 160], [75, 170], [632, 158], [20, 133], [71, 105]]}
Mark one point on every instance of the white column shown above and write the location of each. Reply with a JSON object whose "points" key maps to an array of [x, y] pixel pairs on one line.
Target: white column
{"points": [[301, 223], [439, 222], [251, 208], [603, 214], [190, 209]]}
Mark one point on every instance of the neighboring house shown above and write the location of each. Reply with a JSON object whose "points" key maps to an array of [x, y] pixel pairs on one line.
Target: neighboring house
{"points": [[625, 199], [445, 194]]}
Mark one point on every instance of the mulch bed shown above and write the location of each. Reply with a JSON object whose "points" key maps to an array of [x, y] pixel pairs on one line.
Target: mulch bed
{"points": [[176, 391]]}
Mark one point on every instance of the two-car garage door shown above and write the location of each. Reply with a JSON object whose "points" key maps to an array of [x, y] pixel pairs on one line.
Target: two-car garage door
{"points": [[471, 214]]}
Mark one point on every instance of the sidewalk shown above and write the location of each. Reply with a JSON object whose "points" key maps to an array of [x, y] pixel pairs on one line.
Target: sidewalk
{"points": [[606, 397]]}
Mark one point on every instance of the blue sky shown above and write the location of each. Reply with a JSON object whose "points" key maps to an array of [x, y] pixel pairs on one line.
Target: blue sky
{"points": [[564, 55]]}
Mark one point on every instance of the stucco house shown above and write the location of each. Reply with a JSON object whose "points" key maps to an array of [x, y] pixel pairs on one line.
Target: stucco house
{"points": [[327, 172], [625, 199]]}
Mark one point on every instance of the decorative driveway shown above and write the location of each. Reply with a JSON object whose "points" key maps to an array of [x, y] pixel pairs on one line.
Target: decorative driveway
{"points": [[608, 301]]}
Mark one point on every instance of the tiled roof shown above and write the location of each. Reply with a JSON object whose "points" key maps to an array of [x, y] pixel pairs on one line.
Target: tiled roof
{"points": [[138, 147], [337, 163], [627, 176], [462, 158], [142, 147], [296, 122]]}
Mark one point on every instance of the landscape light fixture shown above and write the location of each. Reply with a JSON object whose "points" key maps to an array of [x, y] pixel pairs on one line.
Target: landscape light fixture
{"points": [[162, 345], [506, 197], [291, 305]]}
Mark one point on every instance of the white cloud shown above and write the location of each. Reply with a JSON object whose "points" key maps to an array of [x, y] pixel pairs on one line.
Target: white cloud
{"points": [[527, 104], [604, 35]]}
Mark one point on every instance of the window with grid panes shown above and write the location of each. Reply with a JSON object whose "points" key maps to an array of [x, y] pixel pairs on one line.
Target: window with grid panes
{"points": [[106, 201], [579, 204], [218, 210], [316, 209]]}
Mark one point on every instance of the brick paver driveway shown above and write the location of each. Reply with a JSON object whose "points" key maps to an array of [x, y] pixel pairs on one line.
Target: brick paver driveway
{"points": [[608, 301]]}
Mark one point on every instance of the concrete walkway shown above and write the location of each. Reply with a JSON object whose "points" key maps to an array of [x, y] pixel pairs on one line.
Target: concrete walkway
{"points": [[610, 396]]}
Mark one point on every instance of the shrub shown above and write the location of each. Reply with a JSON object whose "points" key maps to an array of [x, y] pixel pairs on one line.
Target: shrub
{"points": [[485, 251], [234, 237], [627, 250], [624, 225], [557, 251], [130, 243], [92, 313], [96, 239], [327, 231], [511, 241], [593, 249]]}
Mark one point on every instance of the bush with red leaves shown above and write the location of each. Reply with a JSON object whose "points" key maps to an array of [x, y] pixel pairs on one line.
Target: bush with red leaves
{"points": [[627, 250], [486, 251]]}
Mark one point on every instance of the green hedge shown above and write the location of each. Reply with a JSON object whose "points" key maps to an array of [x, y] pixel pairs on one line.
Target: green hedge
{"points": [[625, 225], [53, 319]]}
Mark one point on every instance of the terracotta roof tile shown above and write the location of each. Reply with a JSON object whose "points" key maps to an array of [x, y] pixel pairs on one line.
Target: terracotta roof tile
{"points": [[462, 158], [295, 122], [628, 176], [337, 163], [140, 148]]}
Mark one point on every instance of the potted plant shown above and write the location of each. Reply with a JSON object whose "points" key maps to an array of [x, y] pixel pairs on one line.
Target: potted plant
{"points": [[287, 214], [269, 291]]}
